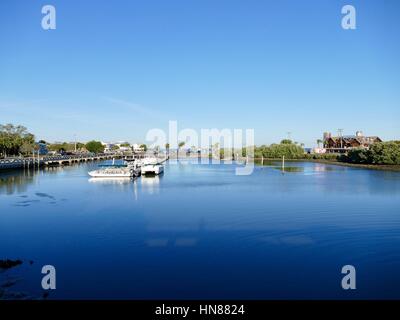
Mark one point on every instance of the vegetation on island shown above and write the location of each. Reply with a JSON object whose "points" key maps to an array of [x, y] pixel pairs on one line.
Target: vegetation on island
{"points": [[286, 148], [382, 153]]}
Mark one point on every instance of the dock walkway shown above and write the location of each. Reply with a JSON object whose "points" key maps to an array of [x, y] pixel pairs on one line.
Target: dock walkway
{"points": [[16, 163]]}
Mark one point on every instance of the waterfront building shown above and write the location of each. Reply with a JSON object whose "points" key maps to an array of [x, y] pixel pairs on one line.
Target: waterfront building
{"points": [[342, 143]]}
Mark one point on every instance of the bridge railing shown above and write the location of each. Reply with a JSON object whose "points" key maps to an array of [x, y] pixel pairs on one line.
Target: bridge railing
{"points": [[72, 157], [17, 160], [54, 158]]}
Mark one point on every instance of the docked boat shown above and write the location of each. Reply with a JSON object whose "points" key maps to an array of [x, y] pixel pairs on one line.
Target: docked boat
{"points": [[154, 169], [126, 170], [151, 166]]}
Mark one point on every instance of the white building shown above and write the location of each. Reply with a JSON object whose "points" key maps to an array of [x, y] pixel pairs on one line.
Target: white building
{"points": [[137, 147]]}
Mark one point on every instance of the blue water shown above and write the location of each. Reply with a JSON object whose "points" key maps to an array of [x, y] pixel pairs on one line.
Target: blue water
{"points": [[200, 231]]}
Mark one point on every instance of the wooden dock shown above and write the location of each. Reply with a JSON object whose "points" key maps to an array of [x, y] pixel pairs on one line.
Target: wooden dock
{"points": [[19, 163]]}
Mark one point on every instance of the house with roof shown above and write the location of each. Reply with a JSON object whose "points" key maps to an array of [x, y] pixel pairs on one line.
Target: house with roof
{"points": [[341, 144]]}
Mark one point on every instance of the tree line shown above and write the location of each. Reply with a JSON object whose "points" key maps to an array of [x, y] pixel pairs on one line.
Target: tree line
{"points": [[286, 148], [380, 153], [15, 140], [91, 146], [387, 153]]}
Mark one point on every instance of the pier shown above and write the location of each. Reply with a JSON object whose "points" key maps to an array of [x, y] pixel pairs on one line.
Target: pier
{"points": [[17, 163]]}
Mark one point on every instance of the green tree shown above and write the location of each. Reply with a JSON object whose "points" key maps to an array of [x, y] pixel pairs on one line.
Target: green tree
{"points": [[180, 145], [27, 148], [94, 146], [277, 151], [286, 141], [379, 153], [144, 147], [385, 153], [13, 137], [167, 148], [65, 146], [358, 155]]}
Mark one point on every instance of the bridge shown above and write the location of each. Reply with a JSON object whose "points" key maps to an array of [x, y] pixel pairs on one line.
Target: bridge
{"points": [[16, 163]]}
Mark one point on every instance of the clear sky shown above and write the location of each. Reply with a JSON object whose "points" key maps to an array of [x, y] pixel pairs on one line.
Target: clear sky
{"points": [[112, 70]]}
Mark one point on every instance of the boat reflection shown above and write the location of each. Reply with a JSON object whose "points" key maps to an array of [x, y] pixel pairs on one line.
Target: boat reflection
{"points": [[150, 183]]}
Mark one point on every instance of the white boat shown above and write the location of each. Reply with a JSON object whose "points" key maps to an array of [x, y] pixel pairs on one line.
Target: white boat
{"points": [[151, 166], [111, 172], [108, 181], [152, 169], [126, 170], [149, 160]]}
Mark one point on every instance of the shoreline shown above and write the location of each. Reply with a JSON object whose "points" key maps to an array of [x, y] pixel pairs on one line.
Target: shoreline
{"points": [[384, 167]]}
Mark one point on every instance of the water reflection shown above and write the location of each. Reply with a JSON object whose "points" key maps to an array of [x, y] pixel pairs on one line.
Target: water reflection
{"points": [[16, 181], [150, 183], [108, 181], [290, 169]]}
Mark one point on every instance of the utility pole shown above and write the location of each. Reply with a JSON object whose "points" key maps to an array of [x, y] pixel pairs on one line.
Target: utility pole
{"points": [[340, 134], [75, 141]]}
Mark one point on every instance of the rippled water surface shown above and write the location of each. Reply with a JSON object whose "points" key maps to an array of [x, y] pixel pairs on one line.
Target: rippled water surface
{"points": [[200, 231]]}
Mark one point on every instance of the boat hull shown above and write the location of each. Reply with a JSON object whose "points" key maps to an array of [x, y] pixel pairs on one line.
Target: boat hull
{"points": [[96, 174], [152, 169], [128, 173]]}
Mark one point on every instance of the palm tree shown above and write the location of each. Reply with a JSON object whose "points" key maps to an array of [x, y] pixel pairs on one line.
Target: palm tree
{"points": [[167, 148], [144, 147], [156, 150], [180, 145], [319, 141]]}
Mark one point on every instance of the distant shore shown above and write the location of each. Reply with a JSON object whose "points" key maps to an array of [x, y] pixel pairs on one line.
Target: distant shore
{"points": [[344, 164]]}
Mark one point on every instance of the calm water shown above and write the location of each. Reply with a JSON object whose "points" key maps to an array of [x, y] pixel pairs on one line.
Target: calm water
{"points": [[200, 231]]}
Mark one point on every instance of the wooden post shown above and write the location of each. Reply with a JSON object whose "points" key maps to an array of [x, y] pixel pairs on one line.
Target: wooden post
{"points": [[262, 160], [283, 163]]}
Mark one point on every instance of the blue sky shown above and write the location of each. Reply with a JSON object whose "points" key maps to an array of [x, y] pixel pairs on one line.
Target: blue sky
{"points": [[112, 70]]}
